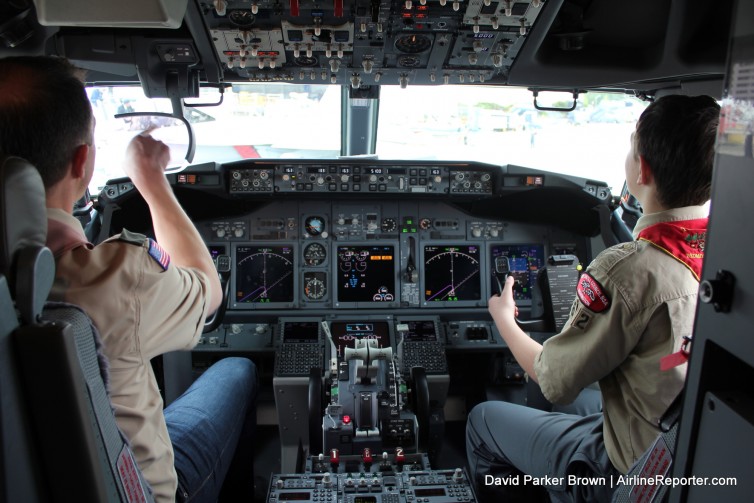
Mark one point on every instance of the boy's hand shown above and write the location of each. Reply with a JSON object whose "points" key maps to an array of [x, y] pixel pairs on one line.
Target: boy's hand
{"points": [[503, 306]]}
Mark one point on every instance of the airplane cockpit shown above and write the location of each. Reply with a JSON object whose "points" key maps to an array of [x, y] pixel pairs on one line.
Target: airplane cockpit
{"points": [[365, 175]]}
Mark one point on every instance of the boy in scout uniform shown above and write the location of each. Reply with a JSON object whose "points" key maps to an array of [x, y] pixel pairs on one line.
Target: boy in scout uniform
{"points": [[634, 304], [144, 298]]}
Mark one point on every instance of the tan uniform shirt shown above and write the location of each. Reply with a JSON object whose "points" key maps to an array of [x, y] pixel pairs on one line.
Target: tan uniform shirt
{"points": [[652, 306], [141, 311]]}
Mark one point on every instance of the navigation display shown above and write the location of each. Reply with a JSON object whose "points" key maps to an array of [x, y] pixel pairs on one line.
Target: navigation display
{"points": [[346, 334], [264, 274], [451, 273], [524, 262], [366, 273]]}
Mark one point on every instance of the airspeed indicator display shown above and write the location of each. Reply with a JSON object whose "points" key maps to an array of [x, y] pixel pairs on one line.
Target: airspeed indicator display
{"points": [[264, 274], [451, 273]]}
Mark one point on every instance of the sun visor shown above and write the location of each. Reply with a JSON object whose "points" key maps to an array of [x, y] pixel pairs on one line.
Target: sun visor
{"points": [[112, 13]]}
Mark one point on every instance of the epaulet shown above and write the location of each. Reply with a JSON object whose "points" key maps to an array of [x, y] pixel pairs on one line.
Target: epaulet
{"points": [[132, 238]]}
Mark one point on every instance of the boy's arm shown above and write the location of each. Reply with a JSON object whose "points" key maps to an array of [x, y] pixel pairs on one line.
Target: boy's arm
{"points": [[524, 348]]}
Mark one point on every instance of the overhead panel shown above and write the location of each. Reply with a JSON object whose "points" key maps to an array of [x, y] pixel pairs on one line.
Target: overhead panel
{"points": [[367, 42]]}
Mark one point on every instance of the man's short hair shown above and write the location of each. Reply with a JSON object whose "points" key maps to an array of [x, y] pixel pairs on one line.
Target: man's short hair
{"points": [[676, 136], [45, 113]]}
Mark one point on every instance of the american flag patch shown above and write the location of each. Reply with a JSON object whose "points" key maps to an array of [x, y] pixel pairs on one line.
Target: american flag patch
{"points": [[158, 254]]}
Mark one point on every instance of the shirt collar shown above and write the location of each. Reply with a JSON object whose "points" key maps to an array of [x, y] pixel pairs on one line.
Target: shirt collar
{"points": [[672, 215], [64, 232], [67, 219]]}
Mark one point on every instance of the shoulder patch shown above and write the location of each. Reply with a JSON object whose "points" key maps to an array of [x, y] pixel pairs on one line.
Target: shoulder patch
{"points": [[158, 254], [592, 294], [581, 319], [132, 238]]}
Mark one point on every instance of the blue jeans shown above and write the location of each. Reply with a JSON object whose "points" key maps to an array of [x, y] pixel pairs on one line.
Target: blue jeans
{"points": [[211, 427]]}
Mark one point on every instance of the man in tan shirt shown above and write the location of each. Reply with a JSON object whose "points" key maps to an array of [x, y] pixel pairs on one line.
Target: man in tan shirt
{"points": [[634, 305], [145, 298]]}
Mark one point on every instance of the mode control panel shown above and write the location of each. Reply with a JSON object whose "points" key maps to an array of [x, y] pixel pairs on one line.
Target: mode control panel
{"points": [[325, 177]]}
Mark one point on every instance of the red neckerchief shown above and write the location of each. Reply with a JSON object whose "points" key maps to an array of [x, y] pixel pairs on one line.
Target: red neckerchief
{"points": [[682, 240], [62, 238]]}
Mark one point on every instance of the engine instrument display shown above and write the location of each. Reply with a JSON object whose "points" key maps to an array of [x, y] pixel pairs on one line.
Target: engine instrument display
{"points": [[524, 263], [451, 273], [366, 273], [345, 334], [264, 274]]}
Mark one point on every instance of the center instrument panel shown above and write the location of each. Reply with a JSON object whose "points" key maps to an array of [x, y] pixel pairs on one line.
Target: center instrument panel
{"points": [[329, 254], [340, 239]]}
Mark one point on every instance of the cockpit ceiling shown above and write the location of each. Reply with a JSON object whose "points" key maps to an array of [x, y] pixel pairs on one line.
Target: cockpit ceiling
{"points": [[643, 45]]}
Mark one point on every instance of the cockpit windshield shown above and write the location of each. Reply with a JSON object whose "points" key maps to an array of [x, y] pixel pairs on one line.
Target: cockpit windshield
{"points": [[489, 124]]}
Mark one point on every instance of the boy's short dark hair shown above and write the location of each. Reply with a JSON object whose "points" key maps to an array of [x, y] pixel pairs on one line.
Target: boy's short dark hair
{"points": [[676, 136], [45, 113]]}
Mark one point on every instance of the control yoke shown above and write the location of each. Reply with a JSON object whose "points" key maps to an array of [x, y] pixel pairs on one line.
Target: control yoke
{"points": [[500, 273]]}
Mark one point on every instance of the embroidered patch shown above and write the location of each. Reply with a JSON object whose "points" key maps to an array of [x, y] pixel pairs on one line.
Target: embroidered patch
{"points": [[581, 319], [591, 295], [159, 255]]}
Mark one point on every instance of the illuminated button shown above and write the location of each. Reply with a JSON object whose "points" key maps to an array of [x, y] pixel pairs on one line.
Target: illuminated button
{"points": [[346, 419]]}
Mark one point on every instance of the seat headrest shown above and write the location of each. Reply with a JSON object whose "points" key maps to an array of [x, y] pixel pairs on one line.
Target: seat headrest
{"points": [[23, 213]]}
